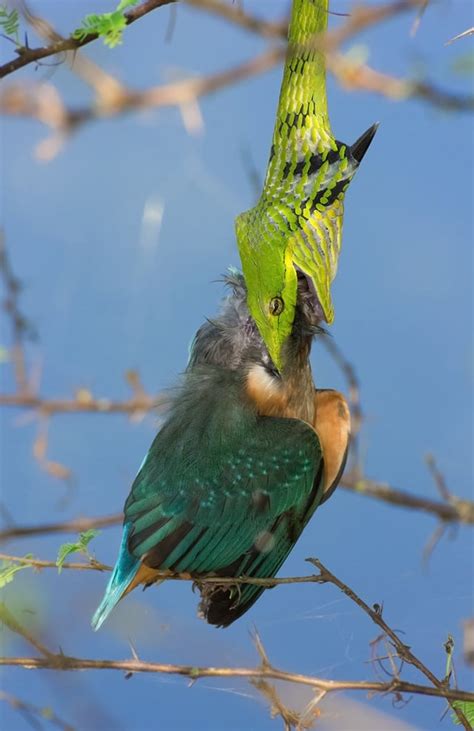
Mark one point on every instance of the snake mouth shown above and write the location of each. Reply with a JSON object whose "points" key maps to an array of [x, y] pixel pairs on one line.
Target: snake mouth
{"points": [[308, 297]]}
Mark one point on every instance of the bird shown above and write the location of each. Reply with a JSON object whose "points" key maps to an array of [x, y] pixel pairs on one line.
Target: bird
{"points": [[245, 455], [295, 228]]}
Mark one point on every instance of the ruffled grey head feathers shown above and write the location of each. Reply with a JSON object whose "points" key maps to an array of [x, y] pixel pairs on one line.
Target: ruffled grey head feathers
{"points": [[232, 339]]}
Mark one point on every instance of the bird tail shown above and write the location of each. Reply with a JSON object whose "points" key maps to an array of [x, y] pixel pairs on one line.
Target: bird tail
{"points": [[123, 573]]}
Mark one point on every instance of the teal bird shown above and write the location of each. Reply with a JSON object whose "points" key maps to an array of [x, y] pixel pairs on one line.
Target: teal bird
{"points": [[245, 456]]}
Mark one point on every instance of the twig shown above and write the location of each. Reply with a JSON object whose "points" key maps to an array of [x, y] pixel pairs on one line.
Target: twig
{"points": [[77, 525], [16, 100], [404, 651], [168, 575], [352, 383], [462, 511], [237, 16], [266, 671], [64, 662], [46, 105], [7, 618], [83, 402], [33, 55], [438, 479]]}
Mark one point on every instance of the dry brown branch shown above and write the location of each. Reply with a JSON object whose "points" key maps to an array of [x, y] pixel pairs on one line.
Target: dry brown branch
{"points": [[77, 525], [65, 662], [43, 102], [84, 403], [360, 77], [17, 100], [266, 671], [94, 565], [37, 563], [7, 619], [452, 510], [259, 676], [361, 18], [236, 15], [403, 651], [352, 381], [27, 56], [460, 512]]}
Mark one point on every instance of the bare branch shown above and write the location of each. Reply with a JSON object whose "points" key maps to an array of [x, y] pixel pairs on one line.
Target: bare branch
{"points": [[20, 100], [266, 670], [64, 662], [237, 16], [84, 402], [77, 525], [403, 651], [462, 511], [61, 45], [112, 98]]}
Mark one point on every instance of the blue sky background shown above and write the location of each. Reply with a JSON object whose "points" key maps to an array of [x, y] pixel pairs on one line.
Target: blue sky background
{"points": [[109, 290]]}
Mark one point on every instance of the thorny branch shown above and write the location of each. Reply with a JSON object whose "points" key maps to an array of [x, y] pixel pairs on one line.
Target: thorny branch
{"points": [[43, 102], [451, 510], [65, 662], [26, 55], [266, 671], [354, 76], [76, 525], [375, 613]]}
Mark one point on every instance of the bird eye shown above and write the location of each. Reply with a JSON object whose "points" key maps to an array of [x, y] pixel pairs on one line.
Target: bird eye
{"points": [[276, 306]]}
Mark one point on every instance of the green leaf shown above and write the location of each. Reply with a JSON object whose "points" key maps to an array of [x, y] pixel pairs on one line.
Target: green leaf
{"points": [[8, 569], [79, 547], [9, 22], [108, 26], [467, 707]]}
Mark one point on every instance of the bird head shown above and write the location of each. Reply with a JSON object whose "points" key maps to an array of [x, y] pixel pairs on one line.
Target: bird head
{"points": [[233, 340]]}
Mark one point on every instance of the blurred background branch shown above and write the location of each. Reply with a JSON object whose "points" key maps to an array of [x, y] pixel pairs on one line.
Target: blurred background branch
{"points": [[266, 671], [43, 101], [450, 510]]}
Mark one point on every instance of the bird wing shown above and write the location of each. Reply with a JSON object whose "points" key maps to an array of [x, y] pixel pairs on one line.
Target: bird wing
{"points": [[237, 511]]}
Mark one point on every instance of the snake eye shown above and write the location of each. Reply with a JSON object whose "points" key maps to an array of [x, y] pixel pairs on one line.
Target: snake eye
{"points": [[276, 306]]}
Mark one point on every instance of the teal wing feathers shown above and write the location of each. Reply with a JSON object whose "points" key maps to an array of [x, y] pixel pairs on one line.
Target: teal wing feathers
{"points": [[232, 507]]}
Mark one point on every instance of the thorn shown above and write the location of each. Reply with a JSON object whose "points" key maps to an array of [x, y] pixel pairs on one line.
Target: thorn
{"points": [[134, 652], [260, 649]]}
